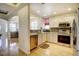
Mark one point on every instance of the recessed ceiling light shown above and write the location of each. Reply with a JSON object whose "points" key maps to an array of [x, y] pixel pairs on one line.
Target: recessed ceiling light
{"points": [[38, 11], [69, 9], [54, 12], [42, 3]]}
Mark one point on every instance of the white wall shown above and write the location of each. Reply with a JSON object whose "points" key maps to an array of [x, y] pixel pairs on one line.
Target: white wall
{"points": [[24, 36]]}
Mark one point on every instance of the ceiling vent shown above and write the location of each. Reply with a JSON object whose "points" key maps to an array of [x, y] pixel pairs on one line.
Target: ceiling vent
{"points": [[3, 12], [42, 3], [15, 3]]}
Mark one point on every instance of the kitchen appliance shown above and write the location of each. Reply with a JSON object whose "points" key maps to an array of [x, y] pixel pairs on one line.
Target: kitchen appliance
{"points": [[64, 33], [75, 30], [64, 39], [64, 28], [64, 24]]}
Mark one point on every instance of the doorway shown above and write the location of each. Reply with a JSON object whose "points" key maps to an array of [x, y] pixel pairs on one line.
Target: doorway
{"points": [[13, 31]]}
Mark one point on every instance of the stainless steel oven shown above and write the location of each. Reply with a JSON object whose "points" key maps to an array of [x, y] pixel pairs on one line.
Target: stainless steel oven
{"points": [[64, 33]]}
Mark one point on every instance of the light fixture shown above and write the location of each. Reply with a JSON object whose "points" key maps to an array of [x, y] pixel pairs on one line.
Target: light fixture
{"points": [[42, 3], [54, 12], [38, 11], [69, 9]]}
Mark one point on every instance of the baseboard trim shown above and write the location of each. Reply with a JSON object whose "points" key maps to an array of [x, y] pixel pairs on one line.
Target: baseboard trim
{"points": [[22, 53]]}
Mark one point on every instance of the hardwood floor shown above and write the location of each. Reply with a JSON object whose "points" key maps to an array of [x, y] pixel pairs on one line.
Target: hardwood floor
{"points": [[51, 50], [11, 50]]}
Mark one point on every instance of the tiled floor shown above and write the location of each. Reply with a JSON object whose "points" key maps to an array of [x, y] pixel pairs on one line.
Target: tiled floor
{"points": [[53, 50]]}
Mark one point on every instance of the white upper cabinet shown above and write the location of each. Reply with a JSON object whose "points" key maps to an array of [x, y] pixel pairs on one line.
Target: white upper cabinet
{"points": [[54, 21], [35, 23]]}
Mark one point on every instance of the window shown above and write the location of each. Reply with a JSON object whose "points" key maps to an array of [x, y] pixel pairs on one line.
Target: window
{"points": [[13, 27], [46, 27], [45, 23], [34, 25]]}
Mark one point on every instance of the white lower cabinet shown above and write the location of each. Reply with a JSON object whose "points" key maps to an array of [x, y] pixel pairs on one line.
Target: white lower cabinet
{"points": [[52, 37], [47, 36], [41, 38]]}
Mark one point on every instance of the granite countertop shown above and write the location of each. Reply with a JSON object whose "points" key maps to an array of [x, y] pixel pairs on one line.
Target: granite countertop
{"points": [[33, 33]]}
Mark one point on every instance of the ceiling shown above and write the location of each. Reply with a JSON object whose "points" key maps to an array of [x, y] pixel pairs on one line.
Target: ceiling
{"points": [[12, 9], [51, 9], [39, 9]]}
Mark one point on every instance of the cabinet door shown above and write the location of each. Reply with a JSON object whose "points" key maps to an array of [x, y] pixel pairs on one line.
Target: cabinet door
{"points": [[40, 39], [33, 41], [53, 37]]}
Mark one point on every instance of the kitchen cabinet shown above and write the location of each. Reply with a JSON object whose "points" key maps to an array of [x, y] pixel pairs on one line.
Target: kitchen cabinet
{"points": [[40, 38], [44, 36], [47, 36], [52, 37], [33, 41]]}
